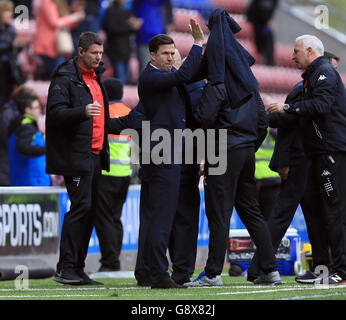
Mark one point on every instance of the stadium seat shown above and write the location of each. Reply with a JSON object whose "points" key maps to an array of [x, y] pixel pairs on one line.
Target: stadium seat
{"points": [[233, 6], [183, 42], [42, 89], [181, 20], [134, 69], [246, 32], [283, 55], [276, 79]]}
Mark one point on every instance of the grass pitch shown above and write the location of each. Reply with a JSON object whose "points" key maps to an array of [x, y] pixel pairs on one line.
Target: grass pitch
{"points": [[235, 288]]}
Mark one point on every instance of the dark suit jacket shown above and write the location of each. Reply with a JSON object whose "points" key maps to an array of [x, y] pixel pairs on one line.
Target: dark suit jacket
{"points": [[288, 150], [163, 95]]}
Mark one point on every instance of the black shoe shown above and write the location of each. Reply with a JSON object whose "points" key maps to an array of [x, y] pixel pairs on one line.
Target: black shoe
{"points": [[67, 277], [307, 278], [143, 283], [87, 281], [167, 284], [252, 277], [181, 282], [106, 269]]}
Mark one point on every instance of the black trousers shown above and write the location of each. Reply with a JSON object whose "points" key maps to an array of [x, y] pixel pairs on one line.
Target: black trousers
{"points": [[267, 197], [237, 187], [291, 194], [325, 187], [79, 220], [158, 204], [112, 193], [184, 235]]}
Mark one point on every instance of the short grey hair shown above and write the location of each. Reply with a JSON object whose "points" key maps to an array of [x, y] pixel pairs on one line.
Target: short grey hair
{"points": [[313, 42]]}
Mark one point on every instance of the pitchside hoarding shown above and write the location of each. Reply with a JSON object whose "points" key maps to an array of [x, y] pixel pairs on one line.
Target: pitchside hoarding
{"points": [[31, 219]]}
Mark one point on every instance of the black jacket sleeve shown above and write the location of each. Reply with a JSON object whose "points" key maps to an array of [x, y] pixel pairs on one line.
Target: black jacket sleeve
{"points": [[131, 121], [281, 154], [213, 99], [323, 95], [25, 135], [262, 124], [59, 108]]}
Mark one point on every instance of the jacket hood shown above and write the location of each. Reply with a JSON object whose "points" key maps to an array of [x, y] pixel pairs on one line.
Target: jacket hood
{"points": [[218, 16], [18, 120]]}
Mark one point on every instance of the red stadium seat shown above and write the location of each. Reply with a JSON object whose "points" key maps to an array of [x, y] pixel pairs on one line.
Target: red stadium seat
{"points": [[276, 79], [246, 31], [233, 6], [283, 55], [181, 20], [183, 42], [42, 89], [134, 68]]}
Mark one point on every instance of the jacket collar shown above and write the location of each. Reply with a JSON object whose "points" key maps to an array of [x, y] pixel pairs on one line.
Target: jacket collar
{"points": [[71, 68], [313, 66]]}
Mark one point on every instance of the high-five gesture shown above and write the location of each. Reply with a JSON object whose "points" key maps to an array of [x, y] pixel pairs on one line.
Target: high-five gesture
{"points": [[196, 32]]}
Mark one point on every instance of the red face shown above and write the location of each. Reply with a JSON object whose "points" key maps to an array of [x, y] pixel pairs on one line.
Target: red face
{"points": [[164, 57], [91, 58], [301, 55]]}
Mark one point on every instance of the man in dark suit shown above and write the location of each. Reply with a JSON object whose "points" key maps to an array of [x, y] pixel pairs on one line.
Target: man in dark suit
{"points": [[166, 105]]}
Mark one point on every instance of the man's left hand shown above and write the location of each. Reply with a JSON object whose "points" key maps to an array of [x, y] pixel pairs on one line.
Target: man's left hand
{"points": [[276, 107]]}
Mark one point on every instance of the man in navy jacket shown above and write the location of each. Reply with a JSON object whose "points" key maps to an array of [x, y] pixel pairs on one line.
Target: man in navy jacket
{"points": [[166, 105]]}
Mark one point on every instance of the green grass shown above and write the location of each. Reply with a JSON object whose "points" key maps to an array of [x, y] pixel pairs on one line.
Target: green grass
{"points": [[235, 288]]}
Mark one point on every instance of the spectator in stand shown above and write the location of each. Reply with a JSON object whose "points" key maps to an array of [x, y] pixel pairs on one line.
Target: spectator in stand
{"points": [[259, 13], [10, 73], [91, 21], [118, 47], [26, 146], [8, 112], [113, 185], [53, 15], [152, 14]]}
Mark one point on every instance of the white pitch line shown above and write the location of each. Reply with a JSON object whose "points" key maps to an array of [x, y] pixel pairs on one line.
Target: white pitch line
{"points": [[315, 296], [53, 296], [76, 288]]}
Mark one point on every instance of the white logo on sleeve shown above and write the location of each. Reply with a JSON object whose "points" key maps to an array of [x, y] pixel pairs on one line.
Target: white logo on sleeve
{"points": [[322, 77]]}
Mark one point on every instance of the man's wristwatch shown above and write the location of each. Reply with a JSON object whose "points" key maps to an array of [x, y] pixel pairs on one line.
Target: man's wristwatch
{"points": [[286, 107]]}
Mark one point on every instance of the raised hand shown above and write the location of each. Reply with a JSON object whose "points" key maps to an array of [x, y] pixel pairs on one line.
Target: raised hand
{"points": [[196, 32]]}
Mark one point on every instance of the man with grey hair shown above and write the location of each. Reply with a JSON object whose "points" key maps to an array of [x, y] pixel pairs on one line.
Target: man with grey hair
{"points": [[322, 116]]}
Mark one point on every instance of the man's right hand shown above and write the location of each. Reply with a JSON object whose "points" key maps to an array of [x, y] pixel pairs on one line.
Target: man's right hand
{"points": [[92, 110], [196, 32]]}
